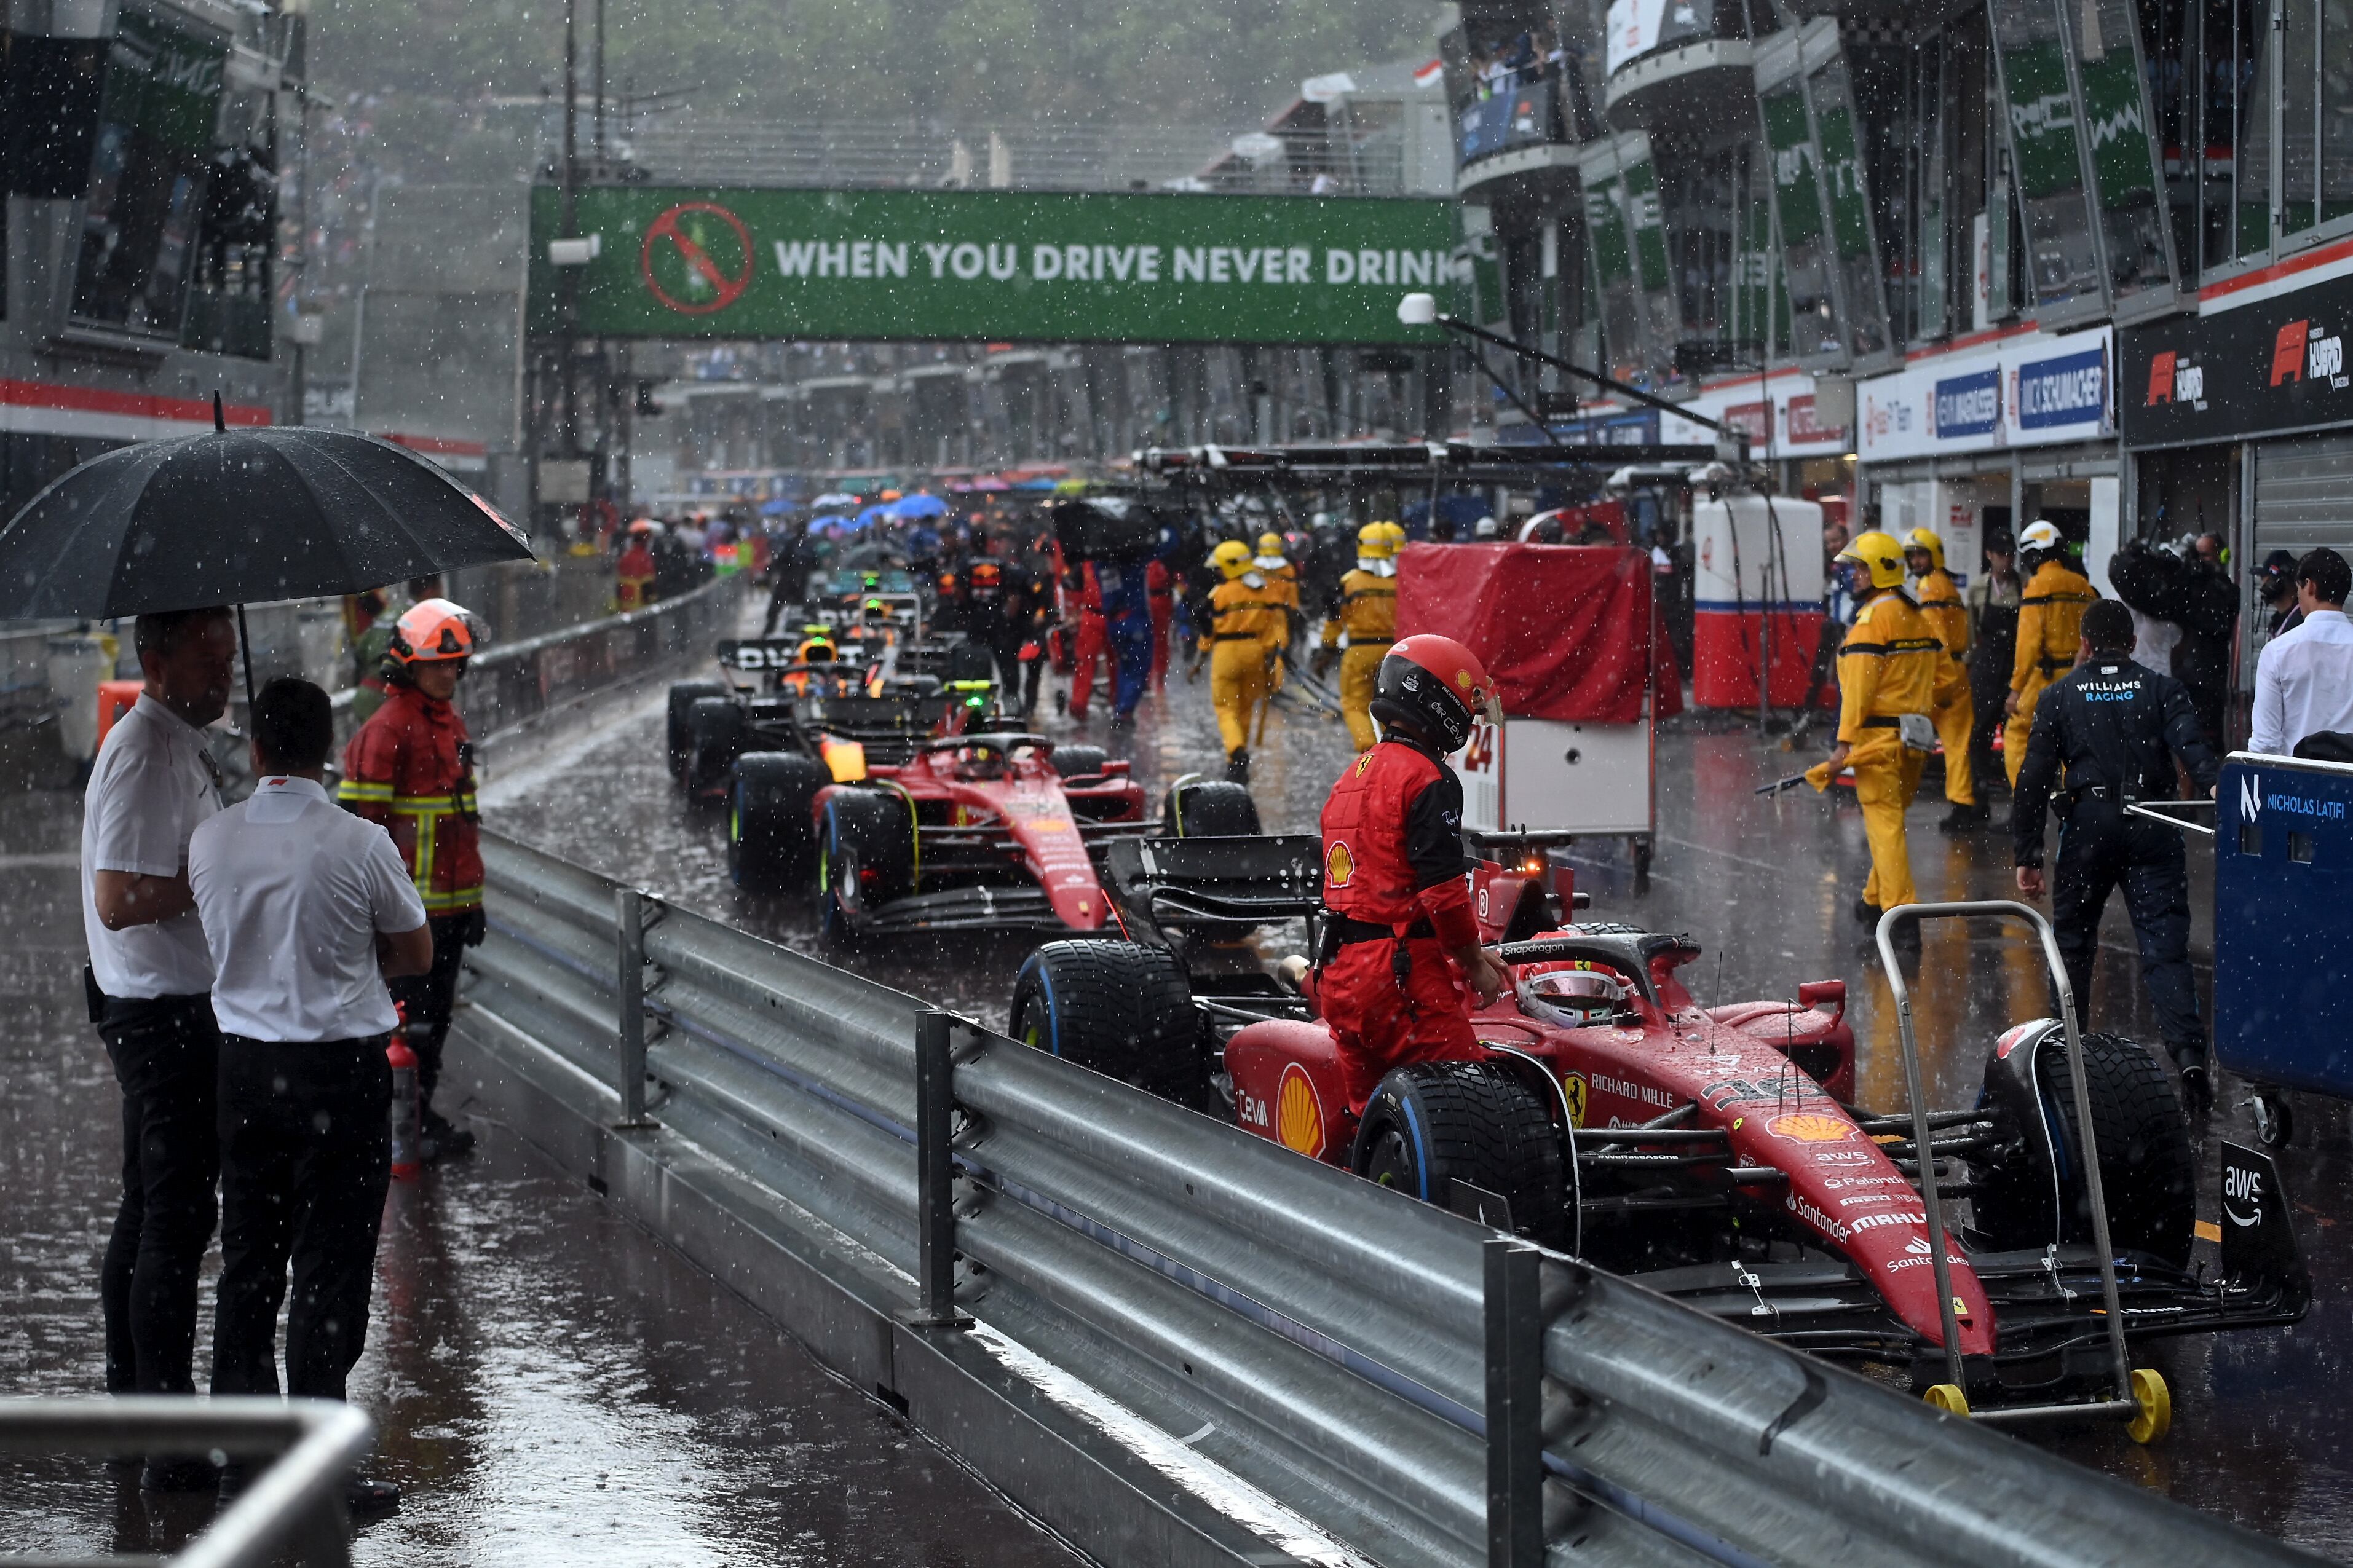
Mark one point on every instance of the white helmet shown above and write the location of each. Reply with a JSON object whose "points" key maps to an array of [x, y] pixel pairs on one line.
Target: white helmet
{"points": [[2039, 535], [1483, 528]]}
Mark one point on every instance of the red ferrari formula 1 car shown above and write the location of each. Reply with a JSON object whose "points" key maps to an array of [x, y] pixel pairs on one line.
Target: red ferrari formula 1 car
{"points": [[1712, 1154], [972, 831]]}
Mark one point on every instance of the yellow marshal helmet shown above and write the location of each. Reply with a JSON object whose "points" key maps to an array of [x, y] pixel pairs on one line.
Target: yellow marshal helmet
{"points": [[1395, 534], [1270, 544], [1878, 553], [1928, 540], [1373, 540], [1233, 558], [2039, 535]]}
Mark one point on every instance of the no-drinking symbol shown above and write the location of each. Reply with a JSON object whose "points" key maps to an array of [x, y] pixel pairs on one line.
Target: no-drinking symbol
{"points": [[697, 258]]}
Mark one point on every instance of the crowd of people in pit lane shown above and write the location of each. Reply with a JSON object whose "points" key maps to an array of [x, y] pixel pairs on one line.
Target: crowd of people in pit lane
{"points": [[1320, 594]]}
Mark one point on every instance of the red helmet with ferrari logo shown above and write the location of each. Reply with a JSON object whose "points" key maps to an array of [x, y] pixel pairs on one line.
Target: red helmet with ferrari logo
{"points": [[1436, 686]]}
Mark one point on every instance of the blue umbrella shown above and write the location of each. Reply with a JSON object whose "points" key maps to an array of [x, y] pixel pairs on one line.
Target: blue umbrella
{"points": [[916, 506], [871, 515], [778, 506]]}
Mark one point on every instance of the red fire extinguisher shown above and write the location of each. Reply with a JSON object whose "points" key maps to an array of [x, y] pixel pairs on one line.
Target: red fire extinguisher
{"points": [[404, 1109]]}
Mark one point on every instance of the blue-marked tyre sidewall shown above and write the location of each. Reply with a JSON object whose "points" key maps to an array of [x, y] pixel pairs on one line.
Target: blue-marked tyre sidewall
{"points": [[1431, 1125], [1120, 1008]]}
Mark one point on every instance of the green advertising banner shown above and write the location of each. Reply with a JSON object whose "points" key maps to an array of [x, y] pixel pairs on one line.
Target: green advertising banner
{"points": [[1789, 137], [1000, 266], [1643, 217]]}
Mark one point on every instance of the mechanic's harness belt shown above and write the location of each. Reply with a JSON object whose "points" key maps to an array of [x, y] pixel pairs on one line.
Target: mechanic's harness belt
{"points": [[1342, 931]]}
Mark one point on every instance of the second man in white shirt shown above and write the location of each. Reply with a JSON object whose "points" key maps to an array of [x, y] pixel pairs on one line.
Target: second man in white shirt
{"points": [[307, 910]]}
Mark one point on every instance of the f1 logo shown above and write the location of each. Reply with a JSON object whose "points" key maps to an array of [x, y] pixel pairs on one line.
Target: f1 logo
{"points": [[2287, 352], [2160, 379]]}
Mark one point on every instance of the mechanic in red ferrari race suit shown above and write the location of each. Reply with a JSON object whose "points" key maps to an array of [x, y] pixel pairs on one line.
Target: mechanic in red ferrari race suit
{"points": [[411, 768], [1399, 918]]}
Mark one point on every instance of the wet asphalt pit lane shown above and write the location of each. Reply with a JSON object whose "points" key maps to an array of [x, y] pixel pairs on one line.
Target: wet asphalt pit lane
{"points": [[539, 1366]]}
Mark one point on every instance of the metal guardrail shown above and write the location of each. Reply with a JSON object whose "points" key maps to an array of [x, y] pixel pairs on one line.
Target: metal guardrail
{"points": [[514, 683], [296, 1504], [1354, 1354]]}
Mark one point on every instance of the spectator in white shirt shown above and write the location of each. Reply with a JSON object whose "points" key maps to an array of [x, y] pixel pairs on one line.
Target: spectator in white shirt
{"points": [[307, 909], [148, 981], [2303, 677]]}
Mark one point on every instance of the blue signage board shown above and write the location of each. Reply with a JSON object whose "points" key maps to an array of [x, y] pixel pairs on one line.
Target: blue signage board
{"points": [[1968, 405], [2072, 389]]}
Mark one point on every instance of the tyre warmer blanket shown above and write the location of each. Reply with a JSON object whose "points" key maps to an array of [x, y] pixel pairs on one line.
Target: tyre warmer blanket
{"points": [[1565, 629]]}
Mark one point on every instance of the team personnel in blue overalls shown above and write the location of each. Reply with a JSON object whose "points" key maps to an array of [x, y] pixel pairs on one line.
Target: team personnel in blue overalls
{"points": [[1127, 628], [2115, 729]]}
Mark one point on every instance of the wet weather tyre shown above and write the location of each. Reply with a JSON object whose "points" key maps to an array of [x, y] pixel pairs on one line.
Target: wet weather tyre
{"points": [[1433, 1123], [1121, 1008], [1079, 762], [1211, 808], [716, 735], [865, 859], [683, 696], [2148, 1159], [771, 825]]}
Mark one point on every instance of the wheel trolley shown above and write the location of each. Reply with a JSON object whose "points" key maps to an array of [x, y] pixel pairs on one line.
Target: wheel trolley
{"points": [[2138, 1396]]}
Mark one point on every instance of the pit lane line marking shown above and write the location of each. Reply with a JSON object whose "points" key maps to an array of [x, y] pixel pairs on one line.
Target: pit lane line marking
{"points": [[1263, 1515]]}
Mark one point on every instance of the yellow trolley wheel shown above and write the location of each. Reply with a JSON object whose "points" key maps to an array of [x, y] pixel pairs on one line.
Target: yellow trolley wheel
{"points": [[1946, 1398], [2156, 1418]]}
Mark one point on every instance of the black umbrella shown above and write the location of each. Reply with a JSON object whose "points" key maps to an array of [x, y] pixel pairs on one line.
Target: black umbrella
{"points": [[237, 517]]}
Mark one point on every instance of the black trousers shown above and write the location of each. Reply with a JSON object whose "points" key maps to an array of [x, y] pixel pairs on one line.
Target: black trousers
{"points": [[2100, 850], [166, 1057], [306, 1154], [426, 1000]]}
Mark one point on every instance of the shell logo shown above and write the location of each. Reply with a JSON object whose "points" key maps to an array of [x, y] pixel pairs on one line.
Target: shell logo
{"points": [[1462, 679], [1811, 1127], [1298, 1114], [1338, 864]]}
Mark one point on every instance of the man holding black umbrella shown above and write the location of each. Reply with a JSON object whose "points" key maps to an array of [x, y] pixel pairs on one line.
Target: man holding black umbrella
{"points": [[150, 983]]}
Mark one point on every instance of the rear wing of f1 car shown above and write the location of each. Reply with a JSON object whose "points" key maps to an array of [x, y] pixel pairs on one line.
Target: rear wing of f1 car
{"points": [[1248, 880], [1195, 882]]}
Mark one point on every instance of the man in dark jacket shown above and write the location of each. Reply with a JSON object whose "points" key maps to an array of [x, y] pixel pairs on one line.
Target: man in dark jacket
{"points": [[2105, 735], [2191, 591]]}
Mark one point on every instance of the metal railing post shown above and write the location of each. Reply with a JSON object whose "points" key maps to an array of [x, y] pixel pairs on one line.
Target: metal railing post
{"points": [[629, 1042], [1515, 1317], [935, 1305]]}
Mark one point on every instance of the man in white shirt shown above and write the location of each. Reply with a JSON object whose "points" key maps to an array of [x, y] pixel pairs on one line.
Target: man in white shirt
{"points": [[307, 910], [2303, 677], [148, 981]]}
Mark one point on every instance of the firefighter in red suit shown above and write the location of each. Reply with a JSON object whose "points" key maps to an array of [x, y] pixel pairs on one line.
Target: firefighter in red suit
{"points": [[1161, 589], [411, 768], [1094, 636], [1399, 923]]}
